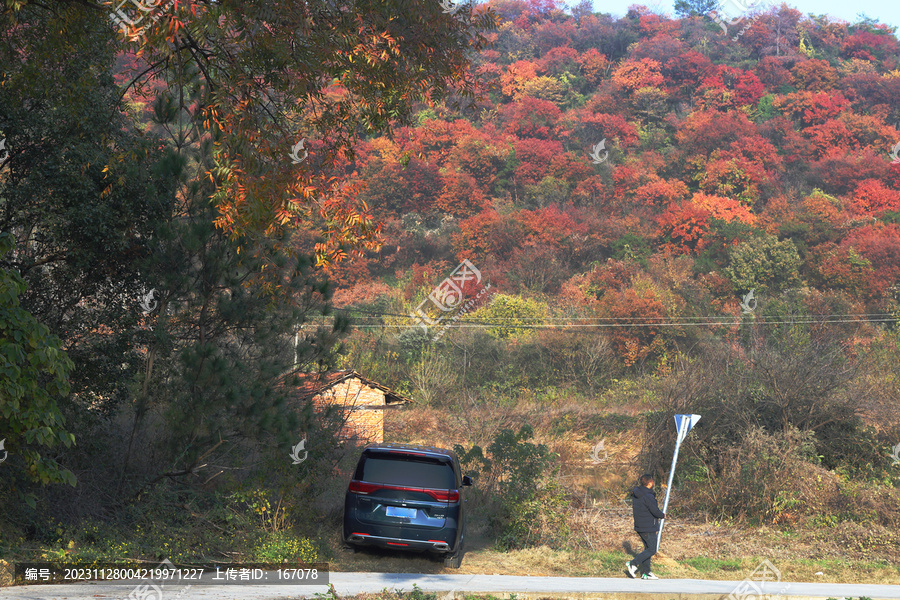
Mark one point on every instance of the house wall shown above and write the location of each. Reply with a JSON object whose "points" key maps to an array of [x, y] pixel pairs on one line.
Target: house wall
{"points": [[355, 397]]}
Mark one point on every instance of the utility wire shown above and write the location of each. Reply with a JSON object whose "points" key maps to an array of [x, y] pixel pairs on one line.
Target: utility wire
{"points": [[609, 325], [611, 322], [717, 317]]}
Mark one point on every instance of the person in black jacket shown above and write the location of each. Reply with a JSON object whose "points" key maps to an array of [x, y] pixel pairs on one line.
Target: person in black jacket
{"points": [[646, 524]]}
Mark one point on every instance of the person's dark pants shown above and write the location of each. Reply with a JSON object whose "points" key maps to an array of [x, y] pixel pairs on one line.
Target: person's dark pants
{"points": [[642, 560]]}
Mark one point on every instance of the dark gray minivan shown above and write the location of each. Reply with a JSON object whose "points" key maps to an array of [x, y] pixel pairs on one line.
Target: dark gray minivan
{"points": [[407, 497]]}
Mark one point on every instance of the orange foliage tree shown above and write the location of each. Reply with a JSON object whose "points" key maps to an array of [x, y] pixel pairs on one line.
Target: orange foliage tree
{"points": [[839, 267], [880, 245], [486, 234], [814, 75], [702, 132], [685, 227], [730, 88], [461, 196], [874, 198], [516, 76], [634, 319], [530, 117], [594, 65], [273, 74], [484, 156], [812, 108], [559, 60], [633, 75], [535, 157]]}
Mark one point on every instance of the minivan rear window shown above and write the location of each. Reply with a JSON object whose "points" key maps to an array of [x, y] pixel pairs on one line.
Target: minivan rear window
{"points": [[407, 471]]}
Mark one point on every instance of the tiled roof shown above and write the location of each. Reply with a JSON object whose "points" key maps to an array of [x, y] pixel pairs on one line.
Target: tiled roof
{"points": [[310, 384]]}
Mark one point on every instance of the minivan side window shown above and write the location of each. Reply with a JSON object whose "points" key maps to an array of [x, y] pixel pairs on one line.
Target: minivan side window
{"points": [[407, 471]]}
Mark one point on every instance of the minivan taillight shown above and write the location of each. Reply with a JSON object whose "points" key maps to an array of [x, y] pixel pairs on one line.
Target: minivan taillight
{"points": [[363, 487], [444, 495]]}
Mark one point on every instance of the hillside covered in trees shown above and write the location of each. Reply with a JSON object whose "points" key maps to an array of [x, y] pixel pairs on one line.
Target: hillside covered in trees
{"points": [[763, 163]]}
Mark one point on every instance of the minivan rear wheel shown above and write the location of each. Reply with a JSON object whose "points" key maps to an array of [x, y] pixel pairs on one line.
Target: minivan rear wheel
{"points": [[454, 561]]}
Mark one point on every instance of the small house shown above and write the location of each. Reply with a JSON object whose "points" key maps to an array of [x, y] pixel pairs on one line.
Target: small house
{"points": [[361, 400]]}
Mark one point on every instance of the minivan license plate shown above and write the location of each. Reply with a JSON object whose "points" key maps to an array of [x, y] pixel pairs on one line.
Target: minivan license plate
{"points": [[396, 511]]}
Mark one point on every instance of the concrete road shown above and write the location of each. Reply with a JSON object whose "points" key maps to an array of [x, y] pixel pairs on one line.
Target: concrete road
{"points": [[450, 586]]}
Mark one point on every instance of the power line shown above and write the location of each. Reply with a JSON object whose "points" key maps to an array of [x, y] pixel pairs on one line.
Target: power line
{"points": [[620, 325], [726, 318], [563, 323]]}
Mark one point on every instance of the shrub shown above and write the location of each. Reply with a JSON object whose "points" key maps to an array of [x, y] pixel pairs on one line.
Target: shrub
{"points": [[517, 489], [759, 477]]}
